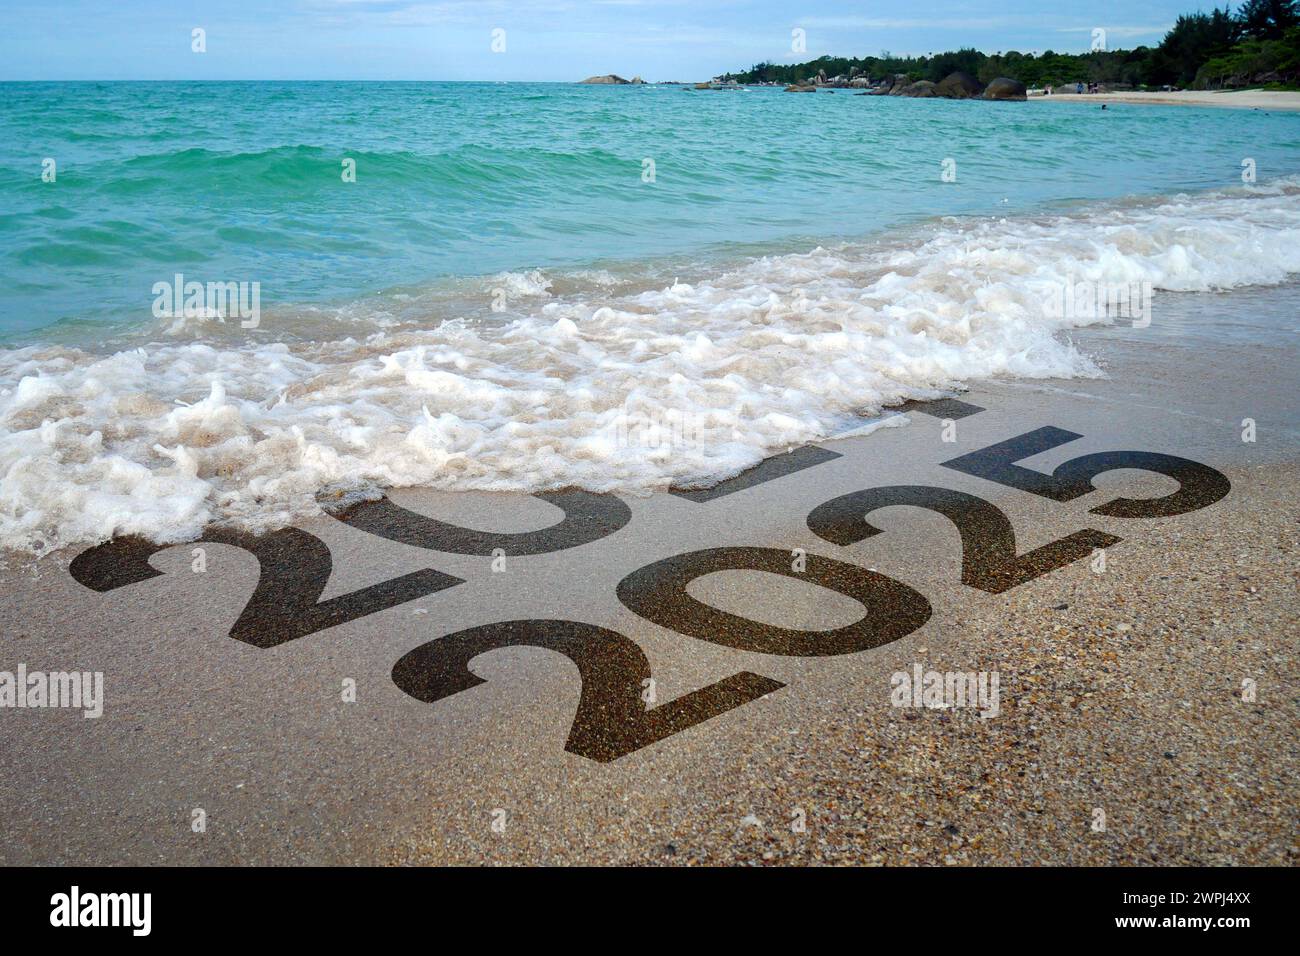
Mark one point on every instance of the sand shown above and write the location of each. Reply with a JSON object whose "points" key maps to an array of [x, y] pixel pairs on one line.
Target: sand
{"points": [[1236, 99], [1126, 690]]}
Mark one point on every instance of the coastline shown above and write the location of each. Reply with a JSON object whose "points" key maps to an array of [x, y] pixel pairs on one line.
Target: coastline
{"points": [[1120, 690], [537, 471], [1231, 99], [250, 457]]}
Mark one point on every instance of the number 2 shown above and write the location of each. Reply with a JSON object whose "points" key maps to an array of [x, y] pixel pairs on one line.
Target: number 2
{"points": [[612, 719], [294, 568], [988, 542]]}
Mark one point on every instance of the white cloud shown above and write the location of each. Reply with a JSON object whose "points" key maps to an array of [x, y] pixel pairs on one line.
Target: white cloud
{"points": [[1123, 31], [895, 23]]}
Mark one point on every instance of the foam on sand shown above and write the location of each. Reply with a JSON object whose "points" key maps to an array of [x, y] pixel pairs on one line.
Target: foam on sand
{"points": [[608, 392]]}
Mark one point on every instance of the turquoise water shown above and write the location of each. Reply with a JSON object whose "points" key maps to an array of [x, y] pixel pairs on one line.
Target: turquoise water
{"points": [[502, 301], [242, 181]]}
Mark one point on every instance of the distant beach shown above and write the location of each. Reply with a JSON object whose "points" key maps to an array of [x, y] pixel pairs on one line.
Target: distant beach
{"points": [[1234, 99]]}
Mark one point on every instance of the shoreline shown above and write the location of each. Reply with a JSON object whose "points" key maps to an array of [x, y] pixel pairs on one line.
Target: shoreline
{"points": [[1133, 672], [861, 263], [1231, 99], [1093, 667]]}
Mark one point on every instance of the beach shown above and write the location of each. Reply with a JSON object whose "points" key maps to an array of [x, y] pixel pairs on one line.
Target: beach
{"points": [[469, 473], [1155, 690], [1235, 99]]}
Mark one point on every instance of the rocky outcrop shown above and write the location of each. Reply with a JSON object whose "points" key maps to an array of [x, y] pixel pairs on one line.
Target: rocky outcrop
{"points": [[922, 89], [1005, 88], [637, 81], [958, 86], [955, 86], [897, 83], [609, 78]]}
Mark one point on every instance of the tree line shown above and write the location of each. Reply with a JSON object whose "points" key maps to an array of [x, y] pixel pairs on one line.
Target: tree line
{"points": [[1257, 45]]}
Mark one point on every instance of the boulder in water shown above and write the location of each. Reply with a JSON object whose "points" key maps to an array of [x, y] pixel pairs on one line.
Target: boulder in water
{"points": [[897, 83], [921, 88], [958, 86], [1005, 88], [608, 78]]}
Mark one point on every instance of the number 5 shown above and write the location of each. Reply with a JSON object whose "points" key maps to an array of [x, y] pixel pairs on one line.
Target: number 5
{"points": [[1199, 486]]}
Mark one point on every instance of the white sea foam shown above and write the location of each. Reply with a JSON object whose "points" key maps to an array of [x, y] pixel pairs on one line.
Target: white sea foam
{"points": [[159, 441], [534, 284]]}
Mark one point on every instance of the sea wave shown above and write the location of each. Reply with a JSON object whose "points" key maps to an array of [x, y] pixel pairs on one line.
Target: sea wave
{"points": [[564, 390], [305, 170]]}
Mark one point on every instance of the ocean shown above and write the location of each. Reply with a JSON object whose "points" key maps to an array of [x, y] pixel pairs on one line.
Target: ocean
{"points": [[536, 286]]}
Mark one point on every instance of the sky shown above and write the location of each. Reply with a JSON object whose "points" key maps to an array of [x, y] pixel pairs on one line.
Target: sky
{"points": [[544, 40]]}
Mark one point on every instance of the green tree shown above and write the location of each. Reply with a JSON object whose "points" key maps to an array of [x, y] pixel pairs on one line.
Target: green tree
{"points": [[1267, 19]]}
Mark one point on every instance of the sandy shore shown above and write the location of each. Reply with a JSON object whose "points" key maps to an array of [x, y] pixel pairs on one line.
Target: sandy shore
{"points": [[1122, 689], [1236, 99]]}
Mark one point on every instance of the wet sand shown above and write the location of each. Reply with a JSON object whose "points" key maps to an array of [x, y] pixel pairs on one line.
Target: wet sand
{"points": [[1121, 689]]}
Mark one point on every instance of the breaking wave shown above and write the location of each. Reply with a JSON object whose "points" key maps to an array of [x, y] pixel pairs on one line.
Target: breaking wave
{"points": [[164, 439]]}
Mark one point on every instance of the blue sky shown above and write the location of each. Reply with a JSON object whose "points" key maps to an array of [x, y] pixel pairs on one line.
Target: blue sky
{"points": [[544, 39]]}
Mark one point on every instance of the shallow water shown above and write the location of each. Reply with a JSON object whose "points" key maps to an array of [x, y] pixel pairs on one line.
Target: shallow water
{"points": [[243, 181], [501, 301]]}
